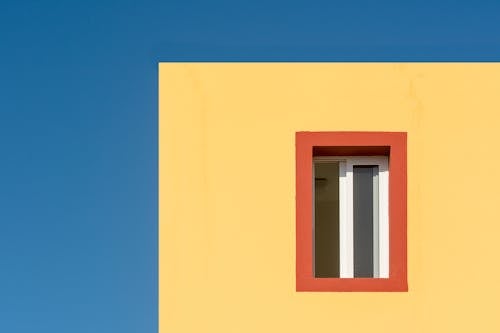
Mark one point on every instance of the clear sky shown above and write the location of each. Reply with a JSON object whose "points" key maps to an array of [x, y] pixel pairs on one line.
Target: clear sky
{"points": [[78, 128]]}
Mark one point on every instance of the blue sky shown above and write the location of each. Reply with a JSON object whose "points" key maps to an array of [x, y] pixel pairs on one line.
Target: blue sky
{"points": [[78, 128]]}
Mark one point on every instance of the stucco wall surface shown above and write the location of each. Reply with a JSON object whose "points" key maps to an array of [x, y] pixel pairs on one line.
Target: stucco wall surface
{"points": [[227, 194]]}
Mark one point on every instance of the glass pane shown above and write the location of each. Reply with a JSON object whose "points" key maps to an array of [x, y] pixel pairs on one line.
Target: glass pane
{"points": [[326, 219], [365, 179]]}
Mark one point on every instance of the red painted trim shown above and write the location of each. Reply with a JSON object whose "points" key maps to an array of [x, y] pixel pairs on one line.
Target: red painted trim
{"points": [[392, 144]]}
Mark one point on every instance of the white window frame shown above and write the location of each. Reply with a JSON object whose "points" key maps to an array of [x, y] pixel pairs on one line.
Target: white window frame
{"points": [[346, 213]]}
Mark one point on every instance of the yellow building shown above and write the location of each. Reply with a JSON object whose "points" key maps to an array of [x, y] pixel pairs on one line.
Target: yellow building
{"points": [[227, 228]]}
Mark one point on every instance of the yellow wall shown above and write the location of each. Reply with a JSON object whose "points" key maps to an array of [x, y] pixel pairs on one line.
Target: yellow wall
{"points": [[227, 187]]}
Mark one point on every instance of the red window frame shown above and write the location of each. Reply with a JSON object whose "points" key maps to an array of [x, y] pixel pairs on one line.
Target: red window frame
{"points": [[392, 144]]}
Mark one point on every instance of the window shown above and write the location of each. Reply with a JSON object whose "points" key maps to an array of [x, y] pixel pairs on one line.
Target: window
{"points": [[351, 211], [350, 216]]}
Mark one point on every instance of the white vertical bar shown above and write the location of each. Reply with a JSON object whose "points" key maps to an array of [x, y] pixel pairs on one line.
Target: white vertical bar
{"points": [[346, 220], [376, 234], [384, 219]]}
